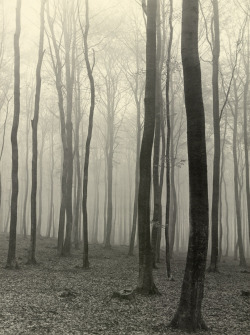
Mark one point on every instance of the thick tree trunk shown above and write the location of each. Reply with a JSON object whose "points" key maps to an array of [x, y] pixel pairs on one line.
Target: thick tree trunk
{"points": [[216, 118], [188, 316], [11, 259], [146, 283]]}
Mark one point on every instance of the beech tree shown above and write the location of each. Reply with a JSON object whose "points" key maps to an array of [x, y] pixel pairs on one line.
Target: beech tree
{"points": [[216, 120], [89, 136], [11, 259], [34, 123], [146, 283], [189, 316]]}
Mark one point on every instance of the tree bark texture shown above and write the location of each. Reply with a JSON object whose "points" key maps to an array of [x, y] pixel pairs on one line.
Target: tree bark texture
{"points": [[11, 258], [146, 283], [88, 140], [188, 316], [216, 121]]}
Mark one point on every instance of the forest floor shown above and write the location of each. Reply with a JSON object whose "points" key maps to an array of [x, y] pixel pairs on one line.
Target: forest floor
{"points": [[58, 297]]}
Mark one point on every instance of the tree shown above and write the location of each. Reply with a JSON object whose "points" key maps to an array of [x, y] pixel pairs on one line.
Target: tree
{"points": [[146, 283], [34, 123], [188, 316], [88, 140], [216, 118], [11, 259], [168, 141]]}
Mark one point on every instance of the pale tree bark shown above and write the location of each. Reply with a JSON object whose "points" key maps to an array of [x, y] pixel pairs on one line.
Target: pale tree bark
{"points": [[146, 283], [11, 258], [237, 192], [189, 316], [69, 34], [245, 124], [57, 68], [51, 203], [156, 157]]}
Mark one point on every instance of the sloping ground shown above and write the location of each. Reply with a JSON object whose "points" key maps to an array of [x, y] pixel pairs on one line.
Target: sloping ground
{"points": [[58, 297]]}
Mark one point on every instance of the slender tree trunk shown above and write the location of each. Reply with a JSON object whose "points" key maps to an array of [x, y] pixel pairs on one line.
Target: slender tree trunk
{"points": [[227, 225], [156, 158], [57, 67], [24, 224], [11, 259], [34, 123], [236, 182], [188, 316], [138, 143], [88, 141], [216, 118], [70, 73], [245, 130], [40, 196], [168, 142], [51, 186], [146, 283]]}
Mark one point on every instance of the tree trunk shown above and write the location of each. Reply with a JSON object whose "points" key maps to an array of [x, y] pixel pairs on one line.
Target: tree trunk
{"points": [[34, 123], [39, 224], [57, 67], [11, 259], [156, 182], [50, 221], [216, 118], [88, 141], [70, 72], [188, 316], [245, 130], [168, 142], [146, 283], [236, 185], [24, 224]]}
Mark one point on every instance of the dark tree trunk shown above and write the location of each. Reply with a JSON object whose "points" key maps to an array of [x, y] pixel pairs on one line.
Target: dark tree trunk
{"points": [[168, 142], [146, 283], [11, 259], [34, 123], [188, 316], [88, 141], [216, 118]]}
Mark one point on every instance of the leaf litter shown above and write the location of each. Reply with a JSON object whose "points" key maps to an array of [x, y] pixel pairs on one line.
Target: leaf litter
{"points": [[58, 297]]}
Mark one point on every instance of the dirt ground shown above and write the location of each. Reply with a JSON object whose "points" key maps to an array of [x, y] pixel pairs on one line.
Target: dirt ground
{"points": [[58, 297]]}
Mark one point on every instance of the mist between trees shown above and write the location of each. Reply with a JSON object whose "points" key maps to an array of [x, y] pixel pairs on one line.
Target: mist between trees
{"points": [[91, 61]]}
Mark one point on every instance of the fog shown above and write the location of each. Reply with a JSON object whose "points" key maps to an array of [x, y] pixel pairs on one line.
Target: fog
{"points": [[116, 42]]}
